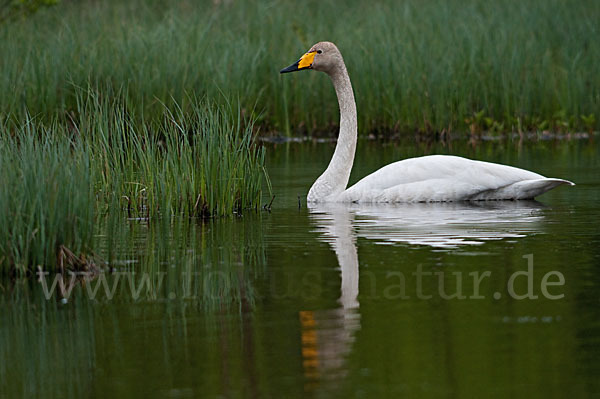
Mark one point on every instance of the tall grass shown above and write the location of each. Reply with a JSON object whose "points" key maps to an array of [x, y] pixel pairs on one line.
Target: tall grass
{"points": [[197, 161], [46, 199], [415, 65], [58, 178]]}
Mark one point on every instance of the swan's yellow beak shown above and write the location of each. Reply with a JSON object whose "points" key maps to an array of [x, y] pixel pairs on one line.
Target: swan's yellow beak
{"points": [[305, 62]]}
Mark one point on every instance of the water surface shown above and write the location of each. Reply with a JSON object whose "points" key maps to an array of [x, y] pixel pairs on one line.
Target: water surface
{"points": [[332, 301]]}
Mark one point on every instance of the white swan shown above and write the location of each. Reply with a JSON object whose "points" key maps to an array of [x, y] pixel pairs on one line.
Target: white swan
{"points": [[433, 178]]}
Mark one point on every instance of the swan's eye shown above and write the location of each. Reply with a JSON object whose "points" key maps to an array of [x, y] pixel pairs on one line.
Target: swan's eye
{"points": [[319, 51]]}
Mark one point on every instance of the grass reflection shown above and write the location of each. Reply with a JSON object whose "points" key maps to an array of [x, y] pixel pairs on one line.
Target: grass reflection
{"points": [[210, 263]]}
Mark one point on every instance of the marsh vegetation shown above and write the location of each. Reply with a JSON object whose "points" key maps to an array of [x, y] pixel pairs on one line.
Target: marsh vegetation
{"points": [[416, 66], [59, 178]]}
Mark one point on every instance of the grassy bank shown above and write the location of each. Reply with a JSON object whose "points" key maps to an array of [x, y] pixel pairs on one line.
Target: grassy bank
{"points": [[57, 178], [416, 66]]}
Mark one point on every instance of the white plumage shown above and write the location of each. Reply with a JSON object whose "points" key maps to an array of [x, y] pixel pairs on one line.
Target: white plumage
{"points": [[442, 178]]}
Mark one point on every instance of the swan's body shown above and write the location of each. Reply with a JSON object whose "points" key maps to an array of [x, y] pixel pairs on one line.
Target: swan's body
{"points": [[441, 178], [434, 178]]}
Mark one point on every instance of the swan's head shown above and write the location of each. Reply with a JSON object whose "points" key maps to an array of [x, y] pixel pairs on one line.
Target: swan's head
{"points": [[323, 56]]}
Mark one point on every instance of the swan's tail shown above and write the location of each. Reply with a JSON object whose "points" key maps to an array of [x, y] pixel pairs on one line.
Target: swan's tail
{"points": [[523, 190], [529, 189]]}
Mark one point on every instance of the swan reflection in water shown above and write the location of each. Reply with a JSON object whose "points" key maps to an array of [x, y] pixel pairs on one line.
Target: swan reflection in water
{"points": [[442, 225], [328, 335]]}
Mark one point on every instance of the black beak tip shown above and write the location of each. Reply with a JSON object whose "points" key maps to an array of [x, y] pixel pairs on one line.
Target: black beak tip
{"points": [[291, 68]]}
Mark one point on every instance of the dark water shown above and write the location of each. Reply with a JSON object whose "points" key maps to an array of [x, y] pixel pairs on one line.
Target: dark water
{"points": [[335, 301]]}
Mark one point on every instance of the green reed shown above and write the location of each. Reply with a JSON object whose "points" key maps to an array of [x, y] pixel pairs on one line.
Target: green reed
{"points": [[196, 162], [47, 198], [200, 160], [415, 65]]}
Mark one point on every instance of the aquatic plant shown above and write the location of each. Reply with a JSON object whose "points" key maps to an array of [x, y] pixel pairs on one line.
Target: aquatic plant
{"points": [[415, 66], [47, 197], [198, 162]]}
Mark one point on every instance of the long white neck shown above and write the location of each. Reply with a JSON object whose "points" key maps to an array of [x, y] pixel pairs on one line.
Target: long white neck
{"points": [[335, 178]]}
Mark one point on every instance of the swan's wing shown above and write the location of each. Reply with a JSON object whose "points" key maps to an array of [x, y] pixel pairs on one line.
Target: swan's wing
{"points": [[524, 189], [448, 178], [444, 167]]}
